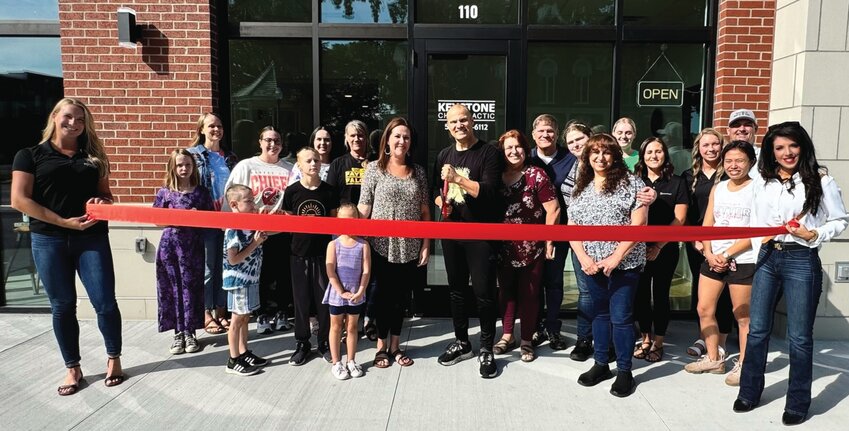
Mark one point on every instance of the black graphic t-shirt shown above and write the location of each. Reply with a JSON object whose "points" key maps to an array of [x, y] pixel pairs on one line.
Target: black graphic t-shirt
{"points": [[482, 163], [302, 201], [346, 175]]}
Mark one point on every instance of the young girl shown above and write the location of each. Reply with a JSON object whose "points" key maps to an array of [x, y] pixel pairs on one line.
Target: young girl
{"points": [[348, 264], [180, 256]]}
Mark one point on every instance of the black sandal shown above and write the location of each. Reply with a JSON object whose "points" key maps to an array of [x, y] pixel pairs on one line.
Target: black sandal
{"points": [[402, 359], [654, 355], [65, 390], [642, 350], [115, 380]]}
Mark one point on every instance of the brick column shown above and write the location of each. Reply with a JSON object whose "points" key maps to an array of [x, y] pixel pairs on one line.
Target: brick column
{"points": [[743, 60], [145, 100]]}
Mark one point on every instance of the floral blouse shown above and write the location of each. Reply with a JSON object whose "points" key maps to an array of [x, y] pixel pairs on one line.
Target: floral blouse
{"points": [[524, 200], [393, 198], [593, 207]]}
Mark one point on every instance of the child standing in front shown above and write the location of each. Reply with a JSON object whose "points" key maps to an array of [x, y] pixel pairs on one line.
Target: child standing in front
{"points": [[310, 197], [180, 255], [348, 263], [242, 261]]}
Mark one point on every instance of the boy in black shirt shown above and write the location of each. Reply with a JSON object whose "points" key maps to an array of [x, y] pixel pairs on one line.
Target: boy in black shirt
{"points": [[309, 197], [472, 170]]}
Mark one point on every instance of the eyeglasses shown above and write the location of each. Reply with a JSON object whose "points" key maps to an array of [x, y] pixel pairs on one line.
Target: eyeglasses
{"points": [[271, 141]]}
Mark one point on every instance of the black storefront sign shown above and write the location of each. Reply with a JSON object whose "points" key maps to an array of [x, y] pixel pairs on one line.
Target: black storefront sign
{"points": [[660, 94]]}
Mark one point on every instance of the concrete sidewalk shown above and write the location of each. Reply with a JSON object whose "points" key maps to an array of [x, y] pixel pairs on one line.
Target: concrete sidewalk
{"points": [[192, 391]]}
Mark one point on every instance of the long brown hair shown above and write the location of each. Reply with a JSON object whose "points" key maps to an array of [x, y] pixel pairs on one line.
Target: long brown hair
{"points": [[383, 159], [171, 181], [87, 142], [666, 169], [697, 157], [617, 173]]}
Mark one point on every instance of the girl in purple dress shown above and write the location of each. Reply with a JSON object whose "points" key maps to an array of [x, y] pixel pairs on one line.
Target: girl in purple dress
{"points": [[180, 256]]}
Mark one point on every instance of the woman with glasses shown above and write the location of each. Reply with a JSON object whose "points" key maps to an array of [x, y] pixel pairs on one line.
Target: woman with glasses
{"points": [[794, 191], [268, 175]]}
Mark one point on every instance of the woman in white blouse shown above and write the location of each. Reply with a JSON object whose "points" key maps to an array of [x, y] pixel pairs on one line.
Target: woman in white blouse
{"points": [[794, 191]]}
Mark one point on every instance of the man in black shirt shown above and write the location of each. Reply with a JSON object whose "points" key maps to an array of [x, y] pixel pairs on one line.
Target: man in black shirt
{"points": [[472, 169]]}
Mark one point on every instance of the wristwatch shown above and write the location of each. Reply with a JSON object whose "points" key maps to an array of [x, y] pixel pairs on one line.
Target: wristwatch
{"points": [[725, 255]]}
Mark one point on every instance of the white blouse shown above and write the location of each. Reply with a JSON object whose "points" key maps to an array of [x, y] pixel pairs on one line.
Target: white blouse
{"points": [[774, 205]]}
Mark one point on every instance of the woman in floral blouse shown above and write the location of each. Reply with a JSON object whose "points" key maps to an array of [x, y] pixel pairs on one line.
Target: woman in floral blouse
{"points": [[530, 198], [606, 194]]}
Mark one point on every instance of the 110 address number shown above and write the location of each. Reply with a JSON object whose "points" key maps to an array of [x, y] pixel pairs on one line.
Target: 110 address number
{"points": [[468, 11]]}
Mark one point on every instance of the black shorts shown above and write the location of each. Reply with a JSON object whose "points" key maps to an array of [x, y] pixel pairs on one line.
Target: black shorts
{"points": [[345, 309], [743, 275]]}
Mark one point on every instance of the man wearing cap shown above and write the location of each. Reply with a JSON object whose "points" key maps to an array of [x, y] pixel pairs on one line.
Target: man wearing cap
{"points": [[742, 126]]}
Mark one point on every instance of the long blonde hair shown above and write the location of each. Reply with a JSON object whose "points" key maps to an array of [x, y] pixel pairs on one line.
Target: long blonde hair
{"points": [[171, 181], [697, 156], [87, 142], [200, 138]]}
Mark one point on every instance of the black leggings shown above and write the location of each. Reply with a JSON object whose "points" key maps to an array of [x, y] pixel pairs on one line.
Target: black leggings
{"points": [[724, 312], [475, 258], [275, 279], [655, 282], [392, 293]]}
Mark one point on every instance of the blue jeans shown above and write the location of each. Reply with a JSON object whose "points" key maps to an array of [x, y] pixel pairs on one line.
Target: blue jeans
{"points": [[552, 288], [585, 303], [613, 300], [57, 259], [213, 244], [797, 274]]}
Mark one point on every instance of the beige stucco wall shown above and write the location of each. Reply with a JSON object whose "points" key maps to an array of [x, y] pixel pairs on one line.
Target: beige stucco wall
{"points": [[809, 85]]}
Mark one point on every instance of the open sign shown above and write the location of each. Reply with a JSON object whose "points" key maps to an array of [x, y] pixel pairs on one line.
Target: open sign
{"points": [[660, 93]]}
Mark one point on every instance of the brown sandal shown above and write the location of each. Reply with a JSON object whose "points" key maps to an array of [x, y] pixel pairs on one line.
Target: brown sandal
{"points": [[642, 349], [654, 355], [401, 358], [503, 345], [381, 359]]}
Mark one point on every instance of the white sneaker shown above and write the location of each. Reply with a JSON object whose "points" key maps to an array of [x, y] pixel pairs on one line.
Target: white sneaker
{"points": [[281, 322], [179, 345], [192, 345], [733, 378], [355, 369], [263, 326], [339, 371]]}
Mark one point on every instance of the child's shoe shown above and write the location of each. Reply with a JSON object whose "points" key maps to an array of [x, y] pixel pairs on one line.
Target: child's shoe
{"points": [[354, 369], [339, 371], [263, 325], [280, 322], [239, 367], [254, 360], [191, 343], [179, 344], [324, 351]]}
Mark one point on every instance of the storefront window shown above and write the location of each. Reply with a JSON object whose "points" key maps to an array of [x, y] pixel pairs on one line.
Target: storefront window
{"points": [[269, 11], [665, 13], [270, 84], [467, 12], [364, 11], [364, 80], [29, 10], [570, 12], [570, 81]]}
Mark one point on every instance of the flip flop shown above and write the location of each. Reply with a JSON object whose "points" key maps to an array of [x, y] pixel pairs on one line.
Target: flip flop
{"points": [[402, 359]]}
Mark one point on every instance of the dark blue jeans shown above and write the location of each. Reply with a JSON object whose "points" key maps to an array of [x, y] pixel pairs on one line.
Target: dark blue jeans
{"points": [[613, 301], [552, 288], [213, 294], [57, 259], [585, 303], [797, 274]]}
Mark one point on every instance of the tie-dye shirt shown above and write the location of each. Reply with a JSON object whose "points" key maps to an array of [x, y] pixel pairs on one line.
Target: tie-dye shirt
{"points": [[245, 273]]}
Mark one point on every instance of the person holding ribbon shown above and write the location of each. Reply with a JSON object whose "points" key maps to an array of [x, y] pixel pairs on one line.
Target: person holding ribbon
{"points": [[267, 175], [606, 194], [652, 301], [214, 164], [796, 192], [53, 182], [530, 198], [395, 188], [471, 170]]}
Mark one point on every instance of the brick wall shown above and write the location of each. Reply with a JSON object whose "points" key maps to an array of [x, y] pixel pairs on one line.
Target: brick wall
{"points": [[146, 100], [743, 60]]}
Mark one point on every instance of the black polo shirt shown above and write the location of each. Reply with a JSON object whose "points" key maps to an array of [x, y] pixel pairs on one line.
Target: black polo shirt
{"points": [[670, 192], [62, 184]]}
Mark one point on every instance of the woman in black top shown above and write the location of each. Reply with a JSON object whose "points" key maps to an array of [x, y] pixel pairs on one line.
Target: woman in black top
{"points": [[52, 182], [700, 179], [651, 306], [346, 173]]}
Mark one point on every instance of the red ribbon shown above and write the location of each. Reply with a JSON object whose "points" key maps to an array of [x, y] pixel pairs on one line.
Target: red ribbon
{"points": [[419, 229]]}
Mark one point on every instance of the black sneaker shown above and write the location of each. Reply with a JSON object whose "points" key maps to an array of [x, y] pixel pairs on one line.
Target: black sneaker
{"points": [[324, 351], [538, 338], [623, 385], [556, 341], [302, 352], [488, 369], [583, 350], [455, 352], [254, 360], [597, 374], [239, 367]]}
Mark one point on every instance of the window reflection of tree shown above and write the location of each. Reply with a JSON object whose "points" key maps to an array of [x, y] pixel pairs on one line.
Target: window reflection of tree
{"points": [[397, 9]]}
